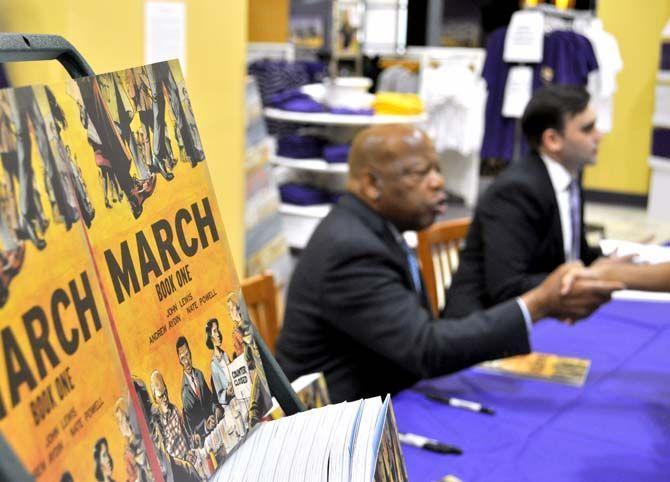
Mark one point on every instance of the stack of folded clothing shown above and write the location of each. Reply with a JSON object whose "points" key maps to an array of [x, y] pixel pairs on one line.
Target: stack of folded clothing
{"points": [[295, 101], [336, 153], [300, 147], [393, 103], [275, 76], [303, 195]]}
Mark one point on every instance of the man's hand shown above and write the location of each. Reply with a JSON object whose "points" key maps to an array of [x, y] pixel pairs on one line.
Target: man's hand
{"points": [[569, 293], [600, 269]]}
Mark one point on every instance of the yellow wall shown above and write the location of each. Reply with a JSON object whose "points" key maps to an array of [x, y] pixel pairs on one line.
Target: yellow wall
{"points": [[110, 36], [622, 161], [268, 20]]}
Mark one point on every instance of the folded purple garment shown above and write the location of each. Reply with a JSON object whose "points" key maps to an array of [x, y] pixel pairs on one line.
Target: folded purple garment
{"points": [[300, 147], [295, 101], [346, 111], [660, 143], [665, 56], [303, 195], [336, 153]]}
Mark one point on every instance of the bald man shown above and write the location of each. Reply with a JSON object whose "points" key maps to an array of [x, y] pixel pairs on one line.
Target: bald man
{"points": [[357, 309]]}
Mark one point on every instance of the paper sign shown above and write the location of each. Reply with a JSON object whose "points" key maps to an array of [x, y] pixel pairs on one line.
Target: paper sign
{"points": [[518, 89], [165, 32], [524, 40]]}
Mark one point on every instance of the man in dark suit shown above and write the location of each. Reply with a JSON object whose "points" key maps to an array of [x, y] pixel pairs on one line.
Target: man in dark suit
{"points": [[356, 307], [196, 397], [530, 220]]}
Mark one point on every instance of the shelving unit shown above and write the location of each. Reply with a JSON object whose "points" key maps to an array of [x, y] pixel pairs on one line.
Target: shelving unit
{"points": [[326, 118], [316, 165]]}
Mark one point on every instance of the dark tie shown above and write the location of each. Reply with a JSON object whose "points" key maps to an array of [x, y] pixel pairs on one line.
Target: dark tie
{"points": [[575, 219], [413, 265], [195, 385]]}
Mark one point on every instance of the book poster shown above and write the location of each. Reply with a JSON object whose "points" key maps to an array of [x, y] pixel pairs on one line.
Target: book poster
{"points": [[64, 403], [111, 229]]}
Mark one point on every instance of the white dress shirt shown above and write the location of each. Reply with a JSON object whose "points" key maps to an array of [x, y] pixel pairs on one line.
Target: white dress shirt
{"points": [[560, 180]]}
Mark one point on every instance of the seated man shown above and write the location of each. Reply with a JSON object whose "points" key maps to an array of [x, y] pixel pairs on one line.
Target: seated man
{"points": [[530, 219], [356, 306]]}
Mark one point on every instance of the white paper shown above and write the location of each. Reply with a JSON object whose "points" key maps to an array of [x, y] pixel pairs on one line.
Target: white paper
{"points": [[645, 253], [635, 295], [524, 40], [518, 89], [165, 32], [666, 30]]}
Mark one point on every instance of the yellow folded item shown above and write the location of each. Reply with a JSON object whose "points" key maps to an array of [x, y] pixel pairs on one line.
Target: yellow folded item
{"points": [[394, 103]]}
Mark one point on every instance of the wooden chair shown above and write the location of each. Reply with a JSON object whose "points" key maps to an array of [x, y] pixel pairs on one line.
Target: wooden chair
{"points": [[438, 249], [260, 295]]}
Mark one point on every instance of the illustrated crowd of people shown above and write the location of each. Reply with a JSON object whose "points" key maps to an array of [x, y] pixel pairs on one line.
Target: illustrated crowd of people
{"points": [[127, 157], [215, 415]]}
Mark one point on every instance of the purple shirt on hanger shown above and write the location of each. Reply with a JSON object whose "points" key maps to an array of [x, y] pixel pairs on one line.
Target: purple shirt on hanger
{"points": [[567, 58]]}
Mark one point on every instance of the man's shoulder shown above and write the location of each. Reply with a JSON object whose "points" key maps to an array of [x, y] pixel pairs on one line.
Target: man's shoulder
{"points": [[522, 179], [344, 229]]}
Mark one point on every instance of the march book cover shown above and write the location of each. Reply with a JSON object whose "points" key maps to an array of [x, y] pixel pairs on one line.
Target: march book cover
{"points": [[127, 349]]}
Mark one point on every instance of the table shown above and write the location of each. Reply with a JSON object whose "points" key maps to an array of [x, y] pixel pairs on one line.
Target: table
{"points": [[615, 427]]}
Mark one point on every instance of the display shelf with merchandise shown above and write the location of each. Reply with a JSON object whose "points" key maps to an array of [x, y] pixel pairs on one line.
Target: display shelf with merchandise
{"points": [[326, 118], [316, 165]]}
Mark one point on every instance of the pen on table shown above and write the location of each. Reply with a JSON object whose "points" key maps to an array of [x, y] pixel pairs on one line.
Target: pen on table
{"points": [[428, 444], [460, 403]]}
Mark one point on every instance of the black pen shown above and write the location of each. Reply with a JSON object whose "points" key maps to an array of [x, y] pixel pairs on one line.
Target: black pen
{"points": [[460, 403], [428, 444]]}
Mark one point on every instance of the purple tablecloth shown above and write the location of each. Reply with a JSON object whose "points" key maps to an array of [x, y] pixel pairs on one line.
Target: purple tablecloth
{"points": [[614, 428]]}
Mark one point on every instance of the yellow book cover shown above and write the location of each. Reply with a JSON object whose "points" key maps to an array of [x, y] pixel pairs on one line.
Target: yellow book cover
{"points": [[311, 390], [127, 348], [541, 366], [65, 407], [390, 465], [164, 264]]}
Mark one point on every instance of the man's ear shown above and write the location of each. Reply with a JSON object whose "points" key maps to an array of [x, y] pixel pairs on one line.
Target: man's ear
{"points": [[371, 186], [552, 140]]}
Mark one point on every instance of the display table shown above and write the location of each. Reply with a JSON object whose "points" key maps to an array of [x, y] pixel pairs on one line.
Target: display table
{"points": [[614, 428]]}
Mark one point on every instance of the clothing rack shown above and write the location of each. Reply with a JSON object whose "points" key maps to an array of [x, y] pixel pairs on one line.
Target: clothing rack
{"points": [[566, 19]]}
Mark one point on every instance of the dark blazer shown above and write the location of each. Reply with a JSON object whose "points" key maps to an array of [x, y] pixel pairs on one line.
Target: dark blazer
{"points": [[196, 410], [515, 240], [353, 313]]}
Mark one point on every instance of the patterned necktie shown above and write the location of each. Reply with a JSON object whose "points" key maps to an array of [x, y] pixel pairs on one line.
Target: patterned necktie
{"points": [[575, 219], [413, 265]]}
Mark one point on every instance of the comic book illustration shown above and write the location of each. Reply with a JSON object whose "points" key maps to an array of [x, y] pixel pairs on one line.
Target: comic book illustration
{"points": [[164, 264], [541, 366], [65, 407], [311, 390], [127, 347], [390, 461]]}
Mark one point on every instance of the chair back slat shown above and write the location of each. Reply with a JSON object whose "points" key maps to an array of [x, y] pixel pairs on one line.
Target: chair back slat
{"points": [[438, 250], [260, 295]]}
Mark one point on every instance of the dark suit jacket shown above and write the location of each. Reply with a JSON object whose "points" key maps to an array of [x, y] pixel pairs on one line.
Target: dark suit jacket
{"points": [[352, 313], [515, 240], [196, 410]]}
